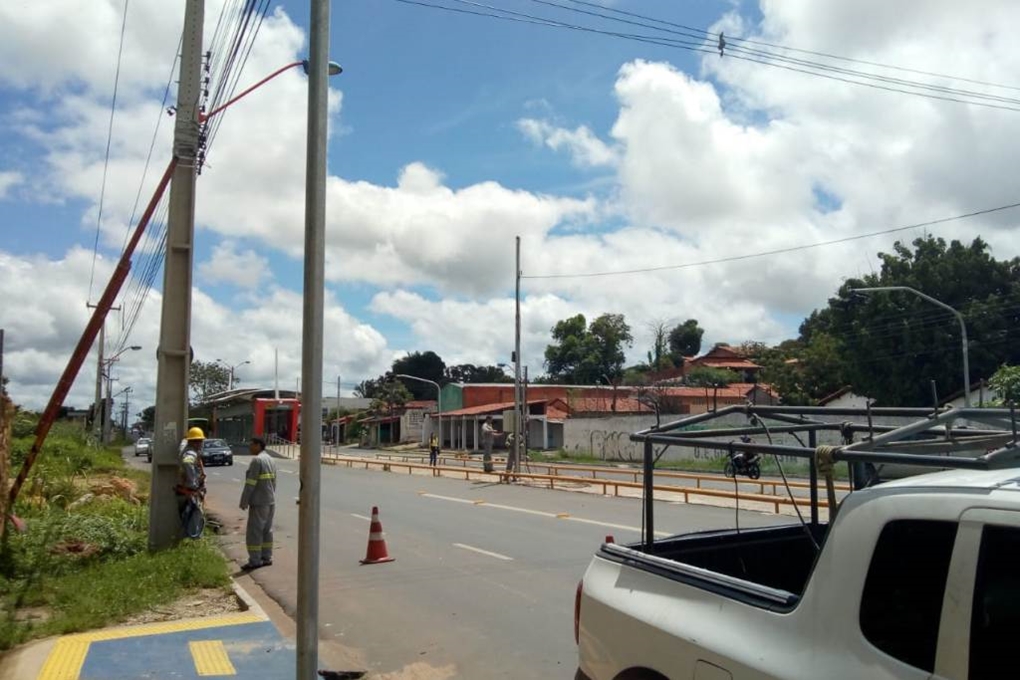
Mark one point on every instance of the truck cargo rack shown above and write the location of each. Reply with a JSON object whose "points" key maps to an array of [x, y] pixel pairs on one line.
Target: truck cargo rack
{"points": [[935, 439]]}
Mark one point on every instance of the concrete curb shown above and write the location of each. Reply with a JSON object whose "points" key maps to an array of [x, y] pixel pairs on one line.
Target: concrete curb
{"points": [[248, 603]]}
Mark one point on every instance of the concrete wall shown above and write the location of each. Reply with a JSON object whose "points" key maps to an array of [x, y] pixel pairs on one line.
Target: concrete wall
{"points": [[609, 438]]}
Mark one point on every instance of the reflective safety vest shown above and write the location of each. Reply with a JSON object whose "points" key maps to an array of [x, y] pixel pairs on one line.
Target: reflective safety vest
{"points": [[191, 477], [260, 481]]}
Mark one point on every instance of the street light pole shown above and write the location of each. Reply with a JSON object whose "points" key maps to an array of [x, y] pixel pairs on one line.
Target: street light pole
{"points": [[959, 317], [230, 383], [312, 342], [439, 401]]}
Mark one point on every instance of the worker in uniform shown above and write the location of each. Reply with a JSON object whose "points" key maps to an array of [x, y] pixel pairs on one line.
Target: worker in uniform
{"points": [[259, 499], [190, 487], [433, 449]]}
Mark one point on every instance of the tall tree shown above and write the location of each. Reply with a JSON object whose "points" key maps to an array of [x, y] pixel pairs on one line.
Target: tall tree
{"points": [[207, 378], [368, 388], [426, 365], [659, 356], [390, 396], [469, 373], [892, 344], [148, 418], [1006, 381], [588, 354], [685, 340]]}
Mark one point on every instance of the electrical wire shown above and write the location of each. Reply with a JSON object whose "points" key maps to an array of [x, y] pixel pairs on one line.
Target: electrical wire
{"points": [[152, 144], [777, 251], [759, 57], [109, 141], [786, 482], [733, 43]]}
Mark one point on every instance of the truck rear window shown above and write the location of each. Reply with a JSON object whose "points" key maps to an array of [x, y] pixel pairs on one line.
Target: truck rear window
{"points": [[902, 600]]}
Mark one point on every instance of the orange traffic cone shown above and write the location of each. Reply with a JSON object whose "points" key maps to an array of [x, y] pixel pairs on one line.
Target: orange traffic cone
{"points": [[377, 552]]}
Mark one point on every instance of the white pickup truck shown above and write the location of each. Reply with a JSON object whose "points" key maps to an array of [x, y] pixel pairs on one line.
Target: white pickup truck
{"points": [[915, 579]]}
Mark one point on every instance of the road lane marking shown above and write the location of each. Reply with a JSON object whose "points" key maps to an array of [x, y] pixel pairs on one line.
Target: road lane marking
{"points": [[367, 519], [610, 525], [482, 552], [447, 498], [235, 479], [541, 513]]}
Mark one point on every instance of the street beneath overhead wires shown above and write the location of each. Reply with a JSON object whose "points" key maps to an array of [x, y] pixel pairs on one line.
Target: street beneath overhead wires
{"points": [[484, 578]]}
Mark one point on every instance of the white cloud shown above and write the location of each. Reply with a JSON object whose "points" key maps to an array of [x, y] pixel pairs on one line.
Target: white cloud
{"points": [[585, 149], [8, 180], [244, 268], [703, 169], [44, 315]]}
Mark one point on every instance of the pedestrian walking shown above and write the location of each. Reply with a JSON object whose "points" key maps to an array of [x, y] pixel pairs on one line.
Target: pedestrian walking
{"points": [[433, 450], [190, 488], [259, 499], [488, 435]]}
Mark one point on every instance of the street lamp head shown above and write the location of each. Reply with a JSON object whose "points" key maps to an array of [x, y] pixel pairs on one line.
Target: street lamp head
{"points": [[135, 348], [334, 68]]}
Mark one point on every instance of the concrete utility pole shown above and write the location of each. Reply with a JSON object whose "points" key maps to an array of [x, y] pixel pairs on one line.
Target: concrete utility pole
{"points": [[97, 411], [127, 403], [174, 351], [518, 406], [99, 416], [312, 341], [108, 406]]}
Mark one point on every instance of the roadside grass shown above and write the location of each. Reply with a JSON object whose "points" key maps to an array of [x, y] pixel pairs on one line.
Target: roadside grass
{"points": [[83, 561]]}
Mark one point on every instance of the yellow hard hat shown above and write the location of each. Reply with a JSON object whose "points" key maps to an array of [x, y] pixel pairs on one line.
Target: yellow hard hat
{"points": [[195, 433]]}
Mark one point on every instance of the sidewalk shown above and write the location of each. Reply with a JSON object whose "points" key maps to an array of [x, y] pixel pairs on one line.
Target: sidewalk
{"points": [[243, 644]]}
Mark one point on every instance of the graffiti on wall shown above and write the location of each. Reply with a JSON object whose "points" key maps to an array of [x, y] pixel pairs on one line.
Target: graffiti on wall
{"points": [[614, 445]]}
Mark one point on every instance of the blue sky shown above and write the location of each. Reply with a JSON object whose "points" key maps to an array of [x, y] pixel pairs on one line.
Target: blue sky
{"points": [[450, 135]]}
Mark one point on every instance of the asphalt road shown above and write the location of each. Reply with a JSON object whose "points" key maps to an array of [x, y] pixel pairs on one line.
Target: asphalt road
{"points": [[484, 578]]}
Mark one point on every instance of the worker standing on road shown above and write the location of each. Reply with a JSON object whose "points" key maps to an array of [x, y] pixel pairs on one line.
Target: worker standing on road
{"points": [[259, 499], [190, 488], [488, 435], [433, 450]]}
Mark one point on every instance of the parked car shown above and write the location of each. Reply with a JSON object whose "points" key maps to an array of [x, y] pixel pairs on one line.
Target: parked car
{"points": [[143, 445], [216, 452]]}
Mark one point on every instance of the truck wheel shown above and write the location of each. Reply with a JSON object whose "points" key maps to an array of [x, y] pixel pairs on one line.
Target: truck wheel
{"points": [[754, 471], [728, 470], [640, 674]]}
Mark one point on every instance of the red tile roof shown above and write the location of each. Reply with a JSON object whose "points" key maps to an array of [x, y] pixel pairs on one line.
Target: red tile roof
{"points": [[421, 403], [488, 409]]}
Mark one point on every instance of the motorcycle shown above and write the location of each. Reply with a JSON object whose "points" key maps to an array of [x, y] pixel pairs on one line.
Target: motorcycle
{"points": [[740, 463]]}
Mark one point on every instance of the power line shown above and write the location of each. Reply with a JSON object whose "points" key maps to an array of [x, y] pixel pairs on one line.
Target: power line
{"points": [[700, 34], [827, 55], [152, 144], [109, 140], [777, 251], [754, 56]]}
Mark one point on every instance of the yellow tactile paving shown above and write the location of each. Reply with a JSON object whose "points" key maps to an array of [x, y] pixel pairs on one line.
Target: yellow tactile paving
{"points": [[68, 655], [65, 660], [210, 657]]}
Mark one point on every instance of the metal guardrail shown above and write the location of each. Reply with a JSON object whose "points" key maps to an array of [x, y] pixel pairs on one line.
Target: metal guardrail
{"points": [[606, 484], [774, 485]]}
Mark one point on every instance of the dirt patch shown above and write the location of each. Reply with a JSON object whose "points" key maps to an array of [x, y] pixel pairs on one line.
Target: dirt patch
{"points": [[33, 614], [206, 602]]}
